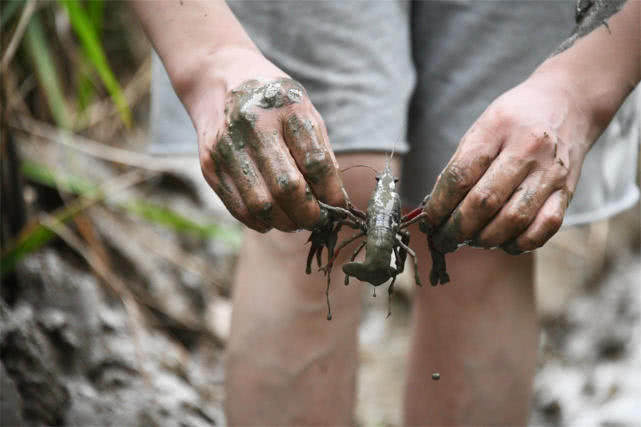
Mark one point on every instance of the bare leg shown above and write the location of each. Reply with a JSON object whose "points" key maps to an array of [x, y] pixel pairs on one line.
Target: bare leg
{"points": [[285, 363], [480, 333]]}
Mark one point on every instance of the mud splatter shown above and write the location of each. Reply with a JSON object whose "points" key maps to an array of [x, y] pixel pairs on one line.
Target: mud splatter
{"points": [[316, 166], [590, 15]]}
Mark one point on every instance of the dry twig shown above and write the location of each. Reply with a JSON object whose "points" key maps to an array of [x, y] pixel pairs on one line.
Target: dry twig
{"points": [[88, 146], [153, 242], [28, 10], [133, 92]]}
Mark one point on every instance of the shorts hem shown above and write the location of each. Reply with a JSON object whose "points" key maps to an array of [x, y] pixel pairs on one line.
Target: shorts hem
{"points": [[400, 148], [605, 212]]}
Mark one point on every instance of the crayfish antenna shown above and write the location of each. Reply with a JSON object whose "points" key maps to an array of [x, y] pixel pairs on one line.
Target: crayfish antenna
{"points": [[391, 156]]}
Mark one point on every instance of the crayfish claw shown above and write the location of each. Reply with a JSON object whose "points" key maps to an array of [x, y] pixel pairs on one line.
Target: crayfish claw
{"points": [[439, 268]]}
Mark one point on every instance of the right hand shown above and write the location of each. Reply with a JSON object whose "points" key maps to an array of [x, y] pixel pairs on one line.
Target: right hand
{"points": [[268, 156]]}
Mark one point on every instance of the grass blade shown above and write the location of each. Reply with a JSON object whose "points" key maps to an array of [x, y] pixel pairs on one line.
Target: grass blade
{"points": [[85, 89], [8, 9], [46, 72], [95, 10], [37, 235], [86, 32], [161, 215]]}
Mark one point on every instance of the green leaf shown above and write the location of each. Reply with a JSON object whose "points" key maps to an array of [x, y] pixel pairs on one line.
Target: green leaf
{"points": [[33, 241], [95, 10], [46, 71], [84, 82], [159, 214], [8, 9], [66, 182], [38, 235], [86, 32]]}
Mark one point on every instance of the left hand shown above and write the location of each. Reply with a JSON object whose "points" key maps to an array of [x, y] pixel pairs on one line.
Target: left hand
{"points": [[515, 170]]}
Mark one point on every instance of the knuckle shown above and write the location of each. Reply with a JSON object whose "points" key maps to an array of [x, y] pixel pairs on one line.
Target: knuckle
{"points": [[457, 177], [289, 186], [316, 165], [518, 219], [499, 118], [552, 222], [539, 141], [261, 207], [223, 151], [485, 200], [295, 124]]}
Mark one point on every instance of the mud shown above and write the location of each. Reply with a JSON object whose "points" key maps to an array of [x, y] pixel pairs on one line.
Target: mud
{"points": [[69, 356], [448, 238], [251, 153], [590, 15], [316, 166]]}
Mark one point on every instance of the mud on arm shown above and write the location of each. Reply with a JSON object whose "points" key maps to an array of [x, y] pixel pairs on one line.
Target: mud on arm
{"points": [[263, 146], [514, 172]]}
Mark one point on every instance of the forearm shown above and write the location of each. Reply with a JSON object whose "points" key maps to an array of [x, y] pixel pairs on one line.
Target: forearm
{"points": [[600, 64], [191, 37]]}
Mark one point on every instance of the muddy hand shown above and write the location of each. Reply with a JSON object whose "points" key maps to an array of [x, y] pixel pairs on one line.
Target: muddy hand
{"points": [[271, 158], [513, 174]]}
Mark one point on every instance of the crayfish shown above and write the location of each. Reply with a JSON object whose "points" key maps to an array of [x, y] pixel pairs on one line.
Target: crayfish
{"points": [[385, 232]]}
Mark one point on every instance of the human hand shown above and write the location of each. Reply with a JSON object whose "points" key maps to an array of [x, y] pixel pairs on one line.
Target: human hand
{"points": [[268, 155], [514, 172]]}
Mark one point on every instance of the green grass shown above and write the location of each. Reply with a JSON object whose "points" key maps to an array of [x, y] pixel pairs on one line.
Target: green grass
{"points": [[38, 235]]}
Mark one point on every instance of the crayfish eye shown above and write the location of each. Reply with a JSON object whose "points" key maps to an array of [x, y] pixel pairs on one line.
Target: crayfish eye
{"points": [[378, 177], [395, 180]]}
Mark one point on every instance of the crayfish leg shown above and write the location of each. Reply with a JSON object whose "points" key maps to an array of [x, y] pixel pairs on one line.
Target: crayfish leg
{"points": [[390, 291], [329, 308], [310, 256]]}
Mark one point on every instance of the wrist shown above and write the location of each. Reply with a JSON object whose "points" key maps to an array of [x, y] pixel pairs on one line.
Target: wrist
{"points": [[205, 79], [591, 93]]}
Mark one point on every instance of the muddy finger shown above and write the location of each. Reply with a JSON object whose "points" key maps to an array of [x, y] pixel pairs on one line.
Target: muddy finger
{"points": [[305, 139], [477, 150], [236, 162], [547, 222], [519, 212], [224, 187], [482, 202], [286, 184]]}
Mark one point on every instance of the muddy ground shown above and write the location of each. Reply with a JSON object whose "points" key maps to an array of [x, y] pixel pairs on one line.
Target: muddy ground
{"points": [[76, 350]]}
